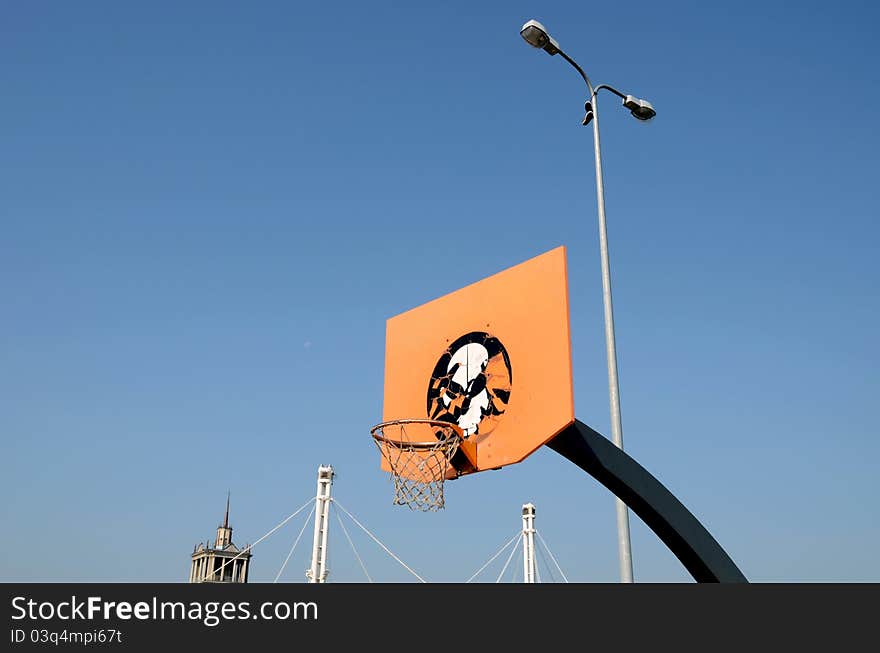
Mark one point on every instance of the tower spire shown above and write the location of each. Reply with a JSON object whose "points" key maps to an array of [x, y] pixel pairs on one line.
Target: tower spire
{"points": [[223, 562]]}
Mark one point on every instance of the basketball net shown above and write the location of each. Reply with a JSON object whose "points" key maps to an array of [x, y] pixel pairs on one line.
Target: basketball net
{"points": [[418, 452]]}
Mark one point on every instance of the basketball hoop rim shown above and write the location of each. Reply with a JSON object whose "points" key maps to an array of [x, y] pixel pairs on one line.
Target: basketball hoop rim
{"points": [[456, 432]]}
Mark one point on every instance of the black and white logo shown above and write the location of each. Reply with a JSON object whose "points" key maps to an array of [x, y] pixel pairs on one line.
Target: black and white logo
{"points": [[471, 384]]}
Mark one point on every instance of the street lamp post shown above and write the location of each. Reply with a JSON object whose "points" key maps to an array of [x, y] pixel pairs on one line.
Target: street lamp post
{"points": [[535, 35]]}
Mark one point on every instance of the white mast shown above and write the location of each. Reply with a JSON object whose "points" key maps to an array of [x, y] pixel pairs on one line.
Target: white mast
{"points": [[528, 539], [317, 573]]}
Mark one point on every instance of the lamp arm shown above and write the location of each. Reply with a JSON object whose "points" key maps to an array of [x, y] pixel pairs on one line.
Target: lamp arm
{"points": [[609, 88], [580, 70], [593, 91]]}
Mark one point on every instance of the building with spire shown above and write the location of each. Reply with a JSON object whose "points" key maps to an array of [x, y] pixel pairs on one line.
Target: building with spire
{"points": [[222, 563]]}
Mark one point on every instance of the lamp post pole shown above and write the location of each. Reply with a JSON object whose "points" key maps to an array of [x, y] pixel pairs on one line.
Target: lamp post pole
{"points": [[536, 35], [624, 547]]}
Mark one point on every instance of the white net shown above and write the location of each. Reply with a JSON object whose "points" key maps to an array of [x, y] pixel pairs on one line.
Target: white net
{"points": [[418, 452]]}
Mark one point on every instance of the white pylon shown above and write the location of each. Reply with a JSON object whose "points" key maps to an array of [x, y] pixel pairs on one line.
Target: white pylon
{"points": [[317, 573], [528, 540]]}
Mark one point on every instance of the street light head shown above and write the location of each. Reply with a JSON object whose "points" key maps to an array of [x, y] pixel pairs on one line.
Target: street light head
{"points": [[640, 109], [536, 35]]}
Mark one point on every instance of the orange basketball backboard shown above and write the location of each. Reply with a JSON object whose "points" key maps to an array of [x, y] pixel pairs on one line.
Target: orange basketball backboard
{"points": [[493, 357]]}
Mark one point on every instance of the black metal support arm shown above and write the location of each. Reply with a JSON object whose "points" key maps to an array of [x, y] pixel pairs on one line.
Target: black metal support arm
{"points": [[674, 524]]}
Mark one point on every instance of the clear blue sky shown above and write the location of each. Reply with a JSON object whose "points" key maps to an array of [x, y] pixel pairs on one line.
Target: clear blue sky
{"points": [[209, 211]]}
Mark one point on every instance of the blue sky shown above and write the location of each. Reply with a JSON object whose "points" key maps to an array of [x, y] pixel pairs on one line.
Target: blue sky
{"points": [[209, 211]]}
